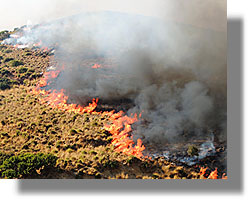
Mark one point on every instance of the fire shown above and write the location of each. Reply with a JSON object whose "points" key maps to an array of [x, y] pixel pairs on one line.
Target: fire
{"points": [[212, 175], [58, 99], [46, 80], [45, 49], [120, 124], [96, 66], [224, 176], [120, 129], [203, 171], [26, 45], [38, 44], [20, 46]]}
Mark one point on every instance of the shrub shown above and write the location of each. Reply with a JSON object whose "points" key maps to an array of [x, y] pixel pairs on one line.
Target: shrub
{"points": [[15, 63], [16, 29], [193, 150], [31, 70], [22, 70], [28, 54], [8, 51], [3, 157], [19, 166], [8, 59], [73, 131], [5, 83], [2, 47], [4, 72], [34, 75], [110, 164], [4, 35], [58, 144]]}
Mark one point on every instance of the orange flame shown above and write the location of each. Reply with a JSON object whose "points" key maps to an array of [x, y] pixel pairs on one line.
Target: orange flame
{"points": [[120, 128], [45, 49], [224, 176], [203, 171], [212, 175], [38, 44], [120, 123], [59, 100], [95, 66], [46, 80]]}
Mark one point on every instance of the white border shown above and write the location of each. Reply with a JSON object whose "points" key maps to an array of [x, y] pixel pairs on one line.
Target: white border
{"points": [[236, 9]]}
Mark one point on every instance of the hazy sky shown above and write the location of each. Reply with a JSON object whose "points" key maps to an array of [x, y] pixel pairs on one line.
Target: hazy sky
{"points": [[202, 13]]}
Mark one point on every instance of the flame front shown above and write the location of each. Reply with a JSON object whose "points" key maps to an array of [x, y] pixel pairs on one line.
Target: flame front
{"points": [[120, 128], [212, 175], [96, 66], [120, 124], [58, 99]]}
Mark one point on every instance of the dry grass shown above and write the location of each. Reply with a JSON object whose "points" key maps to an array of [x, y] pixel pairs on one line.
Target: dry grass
{"points": [[80, 143]]}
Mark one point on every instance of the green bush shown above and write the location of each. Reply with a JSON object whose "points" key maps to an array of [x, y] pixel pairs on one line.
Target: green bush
{"points": [[8, 51], [15, 63], [110, 163], [4, 35], [28, 54], [193, 150], [22, 70], [3, 157], [16, 29], [34, 75], [2, 47], [8, 59], [31, 70], [5, 83], [19, 166], [4, 72]]}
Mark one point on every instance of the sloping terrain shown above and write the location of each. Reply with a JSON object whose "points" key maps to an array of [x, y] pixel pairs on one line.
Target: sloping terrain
{"points": [[37, 141]]}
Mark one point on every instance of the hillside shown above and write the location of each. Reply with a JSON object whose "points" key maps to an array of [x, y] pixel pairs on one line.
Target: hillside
{"points": [[38, 140]]}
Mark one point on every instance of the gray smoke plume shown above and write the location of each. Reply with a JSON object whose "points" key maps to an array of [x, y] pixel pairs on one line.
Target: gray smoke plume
{"points": [[174, 74]]}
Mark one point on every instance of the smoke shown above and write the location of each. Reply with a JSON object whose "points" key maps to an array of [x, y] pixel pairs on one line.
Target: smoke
{"points": [[207, 14], [174, 74]]}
